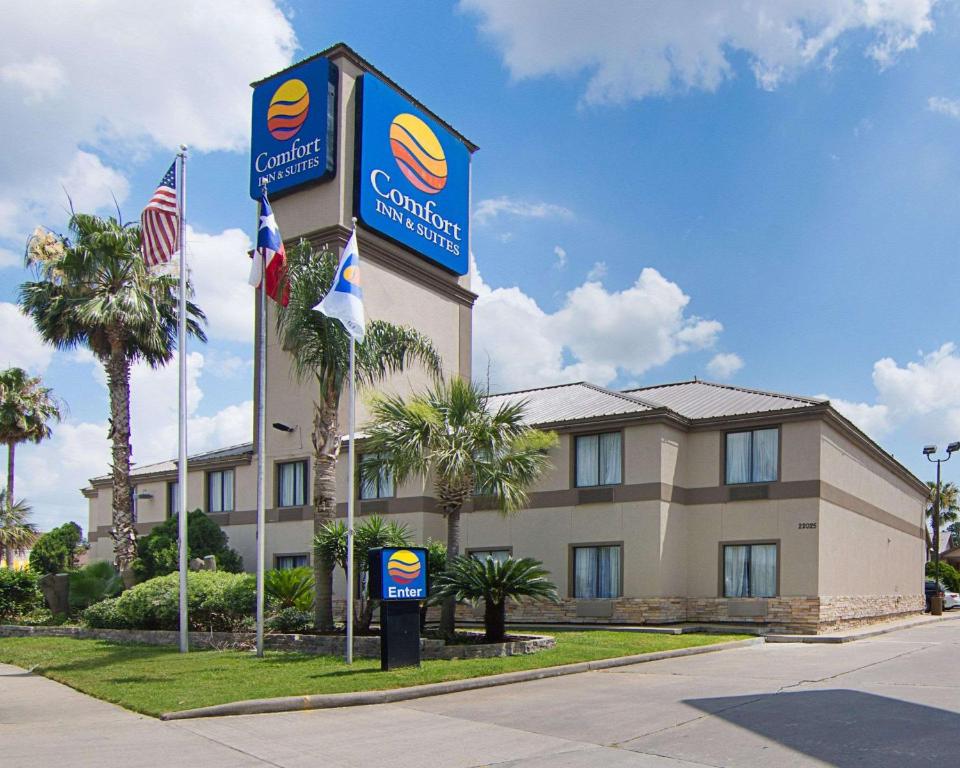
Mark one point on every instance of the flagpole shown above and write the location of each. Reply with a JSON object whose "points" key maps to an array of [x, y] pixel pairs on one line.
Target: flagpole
{"points": [[351, 404], [182, 355], [261, 443]]}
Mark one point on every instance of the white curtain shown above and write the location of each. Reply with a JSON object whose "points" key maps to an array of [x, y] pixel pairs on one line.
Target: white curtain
{"points": [[610, 458], [173, 501], [765, 455], [227, 490], [499, 555], [584, 572], [386, 482], [738, 457], [587, 461], [216, 491], [291, 484], [596, 572], [736, 571], [608, 571], [763, 570]]}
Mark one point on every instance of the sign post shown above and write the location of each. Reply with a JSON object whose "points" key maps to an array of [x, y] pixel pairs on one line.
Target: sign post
{"points": [[398, 578]]}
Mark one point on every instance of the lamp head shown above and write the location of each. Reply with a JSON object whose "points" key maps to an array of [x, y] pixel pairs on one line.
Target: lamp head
{"points": [[927, 449], [282, 427], [953, 447]]}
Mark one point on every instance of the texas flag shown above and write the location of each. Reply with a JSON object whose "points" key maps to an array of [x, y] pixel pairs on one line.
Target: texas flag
{"points": [[270, 252], [344, 300]]}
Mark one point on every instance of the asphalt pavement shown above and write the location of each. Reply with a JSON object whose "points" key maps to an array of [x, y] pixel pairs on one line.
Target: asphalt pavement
{"points": [[892, 700]]}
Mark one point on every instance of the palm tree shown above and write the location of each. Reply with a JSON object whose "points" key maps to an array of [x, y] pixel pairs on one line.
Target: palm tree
{"points": [[93, 289], [949, 511], [320, 350], [494, 582], [26, 410], [449, 434], [17, 533]]}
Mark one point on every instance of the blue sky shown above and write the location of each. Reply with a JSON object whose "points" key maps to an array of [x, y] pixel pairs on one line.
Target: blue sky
{"points": [[766, 198]]}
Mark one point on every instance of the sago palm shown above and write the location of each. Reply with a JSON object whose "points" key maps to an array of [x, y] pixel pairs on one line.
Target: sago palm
{"points": [[949, 511], [92, 289], [494, 582], [26, 410], [449, 435], [17, 533], [320, 351]]}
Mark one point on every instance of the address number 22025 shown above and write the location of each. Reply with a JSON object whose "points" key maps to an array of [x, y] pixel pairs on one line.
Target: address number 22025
{"points": [[807, 526]]}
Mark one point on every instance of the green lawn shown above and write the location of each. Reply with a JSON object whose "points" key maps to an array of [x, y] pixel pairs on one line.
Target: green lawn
{"points": [[154, 680]]}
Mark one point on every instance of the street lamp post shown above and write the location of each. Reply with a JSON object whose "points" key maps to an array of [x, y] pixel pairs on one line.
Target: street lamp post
{"points": [[936, 600]]}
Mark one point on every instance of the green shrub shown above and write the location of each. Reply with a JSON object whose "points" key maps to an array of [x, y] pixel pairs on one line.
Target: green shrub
{"points": [[157, 552], [290, 621], [57, 550], [949, 576], [18, 593], [93, 583], [289, 588], [104, 615], [216, 602]]}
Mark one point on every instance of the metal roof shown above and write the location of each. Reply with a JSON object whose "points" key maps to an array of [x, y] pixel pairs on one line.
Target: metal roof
{"points": [[704, 399], [171, 465], [571, 402]]}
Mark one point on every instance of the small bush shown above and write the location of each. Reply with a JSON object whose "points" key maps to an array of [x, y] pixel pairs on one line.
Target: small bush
{"points": [[949, 576], [290, 588], [216, 602], [93, 583], [290, 621], [157, 553], [57, 550], [18, 593]]}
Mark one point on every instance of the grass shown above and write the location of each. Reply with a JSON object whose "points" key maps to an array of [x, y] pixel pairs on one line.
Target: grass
{"points": [[154, 680]]}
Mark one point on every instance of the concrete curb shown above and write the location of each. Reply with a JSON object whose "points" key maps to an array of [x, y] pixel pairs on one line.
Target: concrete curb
{"points": [[860, 634], [360, 698]]}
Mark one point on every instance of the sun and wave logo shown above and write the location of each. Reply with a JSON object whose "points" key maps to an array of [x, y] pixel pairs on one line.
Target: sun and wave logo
{"points": [[288, 109], [418, 153], [403, 566]]}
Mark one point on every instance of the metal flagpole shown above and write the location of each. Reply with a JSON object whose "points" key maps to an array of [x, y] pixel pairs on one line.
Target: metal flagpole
{"points": [[351, 454], [261, 442], [182, 354]]}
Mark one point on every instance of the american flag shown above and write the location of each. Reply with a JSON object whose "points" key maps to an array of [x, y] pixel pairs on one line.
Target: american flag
{"points": [[159, 223]]}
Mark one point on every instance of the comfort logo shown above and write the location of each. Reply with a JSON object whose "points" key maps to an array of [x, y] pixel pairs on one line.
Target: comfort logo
{"points": [[288, 109], [403, 566], [418, 153]]}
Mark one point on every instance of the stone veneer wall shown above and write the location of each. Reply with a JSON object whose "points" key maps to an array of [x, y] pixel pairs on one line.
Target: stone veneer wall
{"points": [[848, 611]]}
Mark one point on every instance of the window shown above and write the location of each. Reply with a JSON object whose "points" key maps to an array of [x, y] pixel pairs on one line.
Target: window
{"points": [[220, 491], [286, 562], [374, 484], [750, 570], [292, 484], [596, 571], [752, 457], [173, 498], [134, 492], [495, 554], [598, 459]]}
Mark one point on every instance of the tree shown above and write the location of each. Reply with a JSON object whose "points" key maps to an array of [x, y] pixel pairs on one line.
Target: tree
{"points": [[494, 582], [450, 435], [93, 289], [949, 511], [320, 351], [17, 533], [56, 551], [954, 530], [158, 551], [26, 410], [331, 544]]}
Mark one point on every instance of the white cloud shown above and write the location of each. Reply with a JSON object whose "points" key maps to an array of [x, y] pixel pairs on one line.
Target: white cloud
{"points": [[219, 267], [945, 106], [491, 208], [141, 76], [724, 364], [561, 255], [597, 272], [631, 50], [595, 336], [9, 259], [20, 343], [920, 399]]}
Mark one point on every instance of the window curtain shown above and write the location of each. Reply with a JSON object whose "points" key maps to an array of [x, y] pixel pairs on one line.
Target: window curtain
{"points": [[291, 484], [499, 555], [596, 572], [608, 571], [216, 491], [587, 460], [227, 479], [765, 455], [736, 571], [584, 572], [763, 570], [610, 458], [738, 457], [386, 483], [173, 498]]}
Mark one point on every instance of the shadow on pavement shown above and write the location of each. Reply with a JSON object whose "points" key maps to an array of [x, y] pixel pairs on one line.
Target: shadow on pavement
{"points": [[845, 728]]}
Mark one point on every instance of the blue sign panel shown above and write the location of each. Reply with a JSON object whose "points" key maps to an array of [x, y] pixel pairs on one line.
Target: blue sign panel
{"points": [[403, 574], [413, 177], [293, 139]]}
